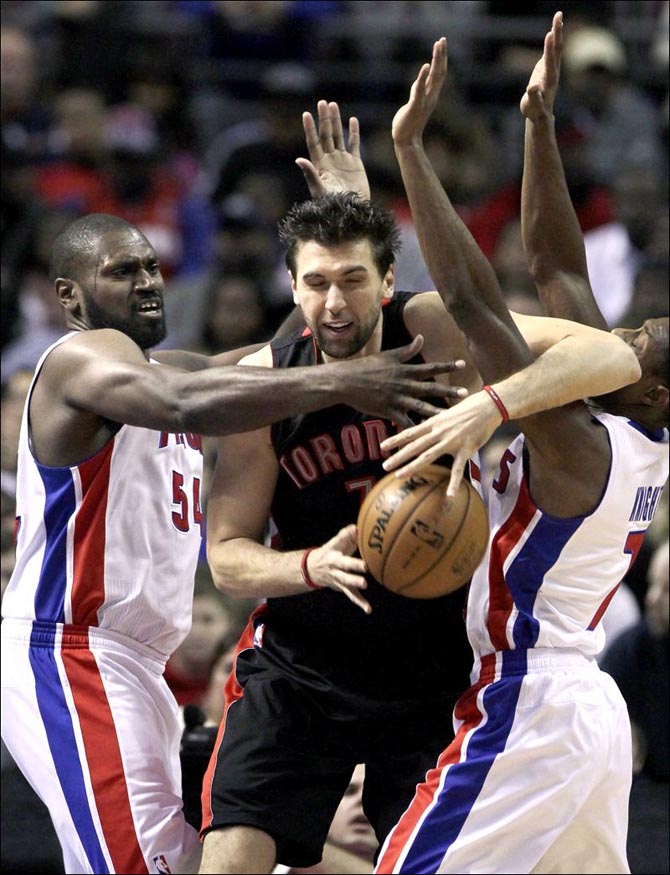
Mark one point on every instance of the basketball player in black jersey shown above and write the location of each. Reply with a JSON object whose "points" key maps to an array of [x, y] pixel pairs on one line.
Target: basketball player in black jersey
{"points": [[332, 670]]}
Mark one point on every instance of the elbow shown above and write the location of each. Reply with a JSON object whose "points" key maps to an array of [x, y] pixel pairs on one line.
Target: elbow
{"points": [[626, 364], [225, 575]]}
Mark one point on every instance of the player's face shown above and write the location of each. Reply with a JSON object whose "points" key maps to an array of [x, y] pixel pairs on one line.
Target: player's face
{"points": [[124, 289], [340, 291], [647, 342]]}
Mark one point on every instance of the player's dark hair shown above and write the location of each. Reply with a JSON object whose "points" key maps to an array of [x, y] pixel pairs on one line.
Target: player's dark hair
{"points": [[340, 218], [78, 242]]}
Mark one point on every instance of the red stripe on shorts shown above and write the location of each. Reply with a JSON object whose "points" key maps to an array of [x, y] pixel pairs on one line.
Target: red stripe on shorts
{"points": [[103, 756]]}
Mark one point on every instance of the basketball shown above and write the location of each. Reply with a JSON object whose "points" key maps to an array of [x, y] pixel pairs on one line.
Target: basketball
{"points": [[417, 543]]}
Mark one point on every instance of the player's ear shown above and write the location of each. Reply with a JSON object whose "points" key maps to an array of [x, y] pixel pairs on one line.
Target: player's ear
{"points": [[67, 291], [294, 289], [388, 283], [658, 396]]}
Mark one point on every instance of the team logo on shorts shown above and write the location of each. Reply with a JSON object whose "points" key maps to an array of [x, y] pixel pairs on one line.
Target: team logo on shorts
{"points": [[161, 865], [258, 635]]}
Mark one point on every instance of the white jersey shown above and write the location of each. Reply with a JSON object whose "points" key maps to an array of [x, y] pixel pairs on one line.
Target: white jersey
{"points": [[538, 776], [112, 542], [546, 582]]}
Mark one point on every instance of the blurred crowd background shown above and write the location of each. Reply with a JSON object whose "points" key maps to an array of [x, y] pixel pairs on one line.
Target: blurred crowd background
{"points": [[184, 117]]}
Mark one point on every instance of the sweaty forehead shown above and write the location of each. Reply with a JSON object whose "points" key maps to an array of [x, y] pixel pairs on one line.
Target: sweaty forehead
{"points": [[313, 257], [123, 243]]}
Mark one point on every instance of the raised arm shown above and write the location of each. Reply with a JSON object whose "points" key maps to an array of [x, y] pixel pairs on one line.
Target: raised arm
{"points": [[552, 237], [463, 276]]}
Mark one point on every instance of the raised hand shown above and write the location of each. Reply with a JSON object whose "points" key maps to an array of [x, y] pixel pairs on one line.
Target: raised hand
{"points": [[411, 119], [331, 166], [334, 565], [382, 385], [461, 431], [540, 93]]}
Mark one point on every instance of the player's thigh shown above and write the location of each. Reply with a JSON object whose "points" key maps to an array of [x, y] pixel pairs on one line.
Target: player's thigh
{"points": [[280, 766]]}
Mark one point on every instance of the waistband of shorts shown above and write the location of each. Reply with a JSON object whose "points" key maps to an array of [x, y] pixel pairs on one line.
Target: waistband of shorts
{"points": [[508, 663], [67, 636]]}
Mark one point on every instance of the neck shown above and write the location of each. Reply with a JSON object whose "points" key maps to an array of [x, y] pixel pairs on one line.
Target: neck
{"points": [[648, 420]]}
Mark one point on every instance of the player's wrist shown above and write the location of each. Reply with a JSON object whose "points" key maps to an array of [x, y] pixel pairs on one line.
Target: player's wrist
{"points": [[304, 571], [497, 400]]}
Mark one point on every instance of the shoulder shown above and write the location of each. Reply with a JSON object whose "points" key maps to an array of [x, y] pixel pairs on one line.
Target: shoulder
{"points": [[96, 344], [262, 358]]}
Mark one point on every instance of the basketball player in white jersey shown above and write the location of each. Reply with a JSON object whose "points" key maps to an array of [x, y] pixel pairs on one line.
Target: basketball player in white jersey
{"points": [[109, 522], [537, 778]]}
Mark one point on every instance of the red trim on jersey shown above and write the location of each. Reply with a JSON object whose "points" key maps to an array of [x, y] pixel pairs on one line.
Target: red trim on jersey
{"points": [[231, 693], [103, 755], [597, 617], [466, 710], [88, 581], [505, 540], [475, 472]]}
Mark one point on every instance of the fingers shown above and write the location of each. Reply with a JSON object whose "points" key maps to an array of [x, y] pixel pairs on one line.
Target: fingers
{"points": [[354, 596], [398, 440], [311, 137], [354, 137], [432, 369], [457, 470], [311, 175], [335, 120], [408, 351], [325, 126]]}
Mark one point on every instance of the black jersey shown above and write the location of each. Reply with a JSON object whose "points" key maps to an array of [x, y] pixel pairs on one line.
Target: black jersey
{"points": [[328, 461]]}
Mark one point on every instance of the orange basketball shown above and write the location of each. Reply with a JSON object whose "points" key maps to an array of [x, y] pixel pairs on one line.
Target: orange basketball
{"points": [[417, 543]]}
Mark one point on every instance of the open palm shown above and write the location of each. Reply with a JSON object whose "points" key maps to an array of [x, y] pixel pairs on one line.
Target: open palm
{"points": [[411, 119], [541, 90], [332, 167]]}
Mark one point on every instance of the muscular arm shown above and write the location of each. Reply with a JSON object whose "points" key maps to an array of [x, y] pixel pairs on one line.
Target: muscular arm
{"points": [[580, 362], [99, 379], [552, 237], [463, 276], [238, 509]]}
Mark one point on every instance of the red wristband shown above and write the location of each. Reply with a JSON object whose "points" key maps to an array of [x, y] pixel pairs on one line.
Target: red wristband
{"points": [[307, 580], [497, 400]]}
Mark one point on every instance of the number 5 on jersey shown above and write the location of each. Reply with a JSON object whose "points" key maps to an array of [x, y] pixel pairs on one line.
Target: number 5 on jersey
{"points": [[188, 503]]}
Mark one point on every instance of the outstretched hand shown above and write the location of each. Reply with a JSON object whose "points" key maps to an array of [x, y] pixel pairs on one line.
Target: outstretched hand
{"points": [[331, 166], [540, 95], [383, 385], [460, 431], [411, 119]]}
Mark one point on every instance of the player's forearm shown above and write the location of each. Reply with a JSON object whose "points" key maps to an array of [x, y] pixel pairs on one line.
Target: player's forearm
{"points": [[242, 568], [462, 274], [552, 237], [236, 399], [576, 367]]}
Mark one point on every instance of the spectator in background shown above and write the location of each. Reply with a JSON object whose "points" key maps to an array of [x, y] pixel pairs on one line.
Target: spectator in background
{"points": [[14, 392], [257, 157], [142, 187], [24, 130], [351, 842], [41, 319], [74, 176], [620, 123], [616, 251], [25, 118], [638, 660], [188, 670], [236, 313]]}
